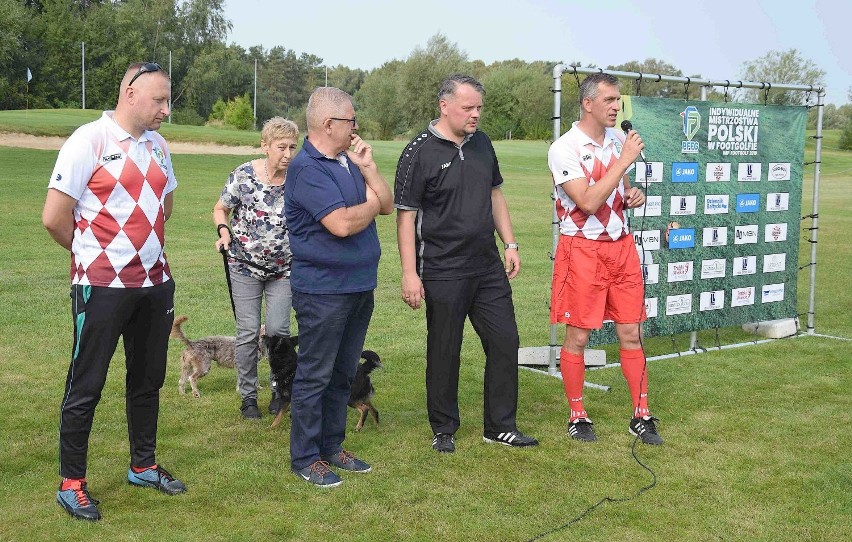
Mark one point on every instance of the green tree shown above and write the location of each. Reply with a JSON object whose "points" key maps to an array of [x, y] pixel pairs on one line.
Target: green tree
{"points": [[238, 113], [781, 67], [650, 86], [13, 22], [379, 110]]}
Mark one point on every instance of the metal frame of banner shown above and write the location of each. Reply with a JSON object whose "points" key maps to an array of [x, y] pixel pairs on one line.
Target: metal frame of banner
{"points": [[562, 68]]}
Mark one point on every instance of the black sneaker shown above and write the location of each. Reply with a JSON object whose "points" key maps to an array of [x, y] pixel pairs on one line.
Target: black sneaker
{"points": [[647, 431], [249, 409], [274, 403], [509, 438], [581, 429], [444, 443], [319, 474], [75, 499], [347, 461]]}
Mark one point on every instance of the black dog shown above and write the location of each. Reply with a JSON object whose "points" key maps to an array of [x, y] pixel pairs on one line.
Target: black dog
{"points": [[362, 388], [282, 364]]}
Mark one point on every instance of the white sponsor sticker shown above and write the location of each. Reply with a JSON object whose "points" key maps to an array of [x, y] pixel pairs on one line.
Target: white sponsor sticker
{"points": [[777, 201], [745, 235], [715, 237], [771, 293], [680, 271], [744, 265], [653, 207], [682, 205], [712, 301], [748, 172], [651, 307], [713, 269], [651, 273], [650, 173], [742, 296], [717, 172], [647, 240], [678, 304], [772, 263], [778, 171], [772, 233], [716, 204]]}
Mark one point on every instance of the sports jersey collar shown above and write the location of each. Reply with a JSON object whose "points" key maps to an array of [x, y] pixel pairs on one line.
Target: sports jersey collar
{"points": [[609, 139], [439, 135], [120, 133], [315, 153]]}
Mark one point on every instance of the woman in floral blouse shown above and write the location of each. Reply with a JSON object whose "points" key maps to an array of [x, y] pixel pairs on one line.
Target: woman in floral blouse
{"points": [[258, 251]]}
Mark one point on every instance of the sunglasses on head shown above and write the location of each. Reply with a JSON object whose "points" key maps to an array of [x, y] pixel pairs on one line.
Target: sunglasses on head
{"points": [[145, 68]]}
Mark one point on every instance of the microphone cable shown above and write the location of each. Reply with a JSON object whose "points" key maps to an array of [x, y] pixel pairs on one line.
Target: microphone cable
{"points": [[653, 482]]}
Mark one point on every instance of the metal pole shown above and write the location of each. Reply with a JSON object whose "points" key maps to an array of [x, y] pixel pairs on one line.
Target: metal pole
{"points": [[83, 70], [170, 94], [255, 94], [814, 213], [557, 131]]}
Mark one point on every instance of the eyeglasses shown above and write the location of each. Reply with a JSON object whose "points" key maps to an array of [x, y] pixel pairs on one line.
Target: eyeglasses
{"points": [[146, 68], [352, 120]]}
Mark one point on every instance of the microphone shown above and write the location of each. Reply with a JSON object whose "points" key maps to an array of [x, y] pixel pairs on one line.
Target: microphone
{"points": [[626, 125]]}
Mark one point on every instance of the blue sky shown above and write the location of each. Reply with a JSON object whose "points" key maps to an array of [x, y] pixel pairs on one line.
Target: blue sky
{"points": [[711, 38]]}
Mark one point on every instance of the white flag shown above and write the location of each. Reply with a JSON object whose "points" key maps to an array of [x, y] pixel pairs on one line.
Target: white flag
{"points": [[29, 75]]}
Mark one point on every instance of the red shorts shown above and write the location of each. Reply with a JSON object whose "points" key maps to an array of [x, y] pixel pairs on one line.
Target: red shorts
{"points": [[595, 281]]}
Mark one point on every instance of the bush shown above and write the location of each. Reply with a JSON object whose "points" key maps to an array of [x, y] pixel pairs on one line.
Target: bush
{"points": [[846, 137], [239, 114], [218, 112], [187, 117]]}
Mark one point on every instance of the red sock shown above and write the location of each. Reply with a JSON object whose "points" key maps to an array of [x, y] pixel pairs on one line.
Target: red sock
{"points": [[137, 470], [573, 369], [72, 483], [634, 369]]}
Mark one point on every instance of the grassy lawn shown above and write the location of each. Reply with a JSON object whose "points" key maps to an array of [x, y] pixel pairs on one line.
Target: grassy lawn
{"points": [[757, 438]]}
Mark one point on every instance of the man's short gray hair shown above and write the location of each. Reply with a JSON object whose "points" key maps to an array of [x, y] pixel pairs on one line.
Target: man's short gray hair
{"points": [[451, 83], [325, 102], [590, 87]]}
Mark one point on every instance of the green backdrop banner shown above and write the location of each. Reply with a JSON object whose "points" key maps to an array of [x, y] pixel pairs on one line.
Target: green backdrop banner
{"points": [[719, 233]]}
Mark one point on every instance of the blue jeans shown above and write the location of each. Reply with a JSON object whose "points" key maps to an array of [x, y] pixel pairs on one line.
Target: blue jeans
{"points": [[332, 329]]}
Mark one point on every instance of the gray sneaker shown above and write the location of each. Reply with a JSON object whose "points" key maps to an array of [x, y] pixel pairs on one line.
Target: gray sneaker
{"points": [[319, 474], [347, 461]]}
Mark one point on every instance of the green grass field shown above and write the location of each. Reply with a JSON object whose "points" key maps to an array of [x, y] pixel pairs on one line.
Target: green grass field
{"points": [[757, 438]]}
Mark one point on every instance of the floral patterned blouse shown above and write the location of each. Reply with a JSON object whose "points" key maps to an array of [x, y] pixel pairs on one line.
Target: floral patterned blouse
{"points": [[260, 233]]}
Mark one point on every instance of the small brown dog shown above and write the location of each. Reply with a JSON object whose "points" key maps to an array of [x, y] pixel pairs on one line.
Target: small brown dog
{"points": [[362, 391], [198, 356]]}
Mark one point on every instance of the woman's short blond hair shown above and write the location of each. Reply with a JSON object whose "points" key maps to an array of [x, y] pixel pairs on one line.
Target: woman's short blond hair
{"points": [[278, 128]]}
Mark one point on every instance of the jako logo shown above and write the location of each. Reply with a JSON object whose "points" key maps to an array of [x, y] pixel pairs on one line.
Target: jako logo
{"points": [[748, 203], [684, 172], [445, 166]]}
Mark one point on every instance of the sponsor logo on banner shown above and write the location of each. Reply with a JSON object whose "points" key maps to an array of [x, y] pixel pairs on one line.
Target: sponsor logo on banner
{"points": [[770, 293], [713, 269], [691, 123], [653, 207], [712, 301], [651, 307], [680, 271], [745, 235], [775, 232], [717, 172], [777, 201], [715, 237], [742, 296], [678, 304], [647, 240], [773, 263], [745, 265], [748, 172], [748, 203], [651, 273], [652, 172], [779, 171], [682, 205], [716, 204], [733, 130], [682, 238], [684, 172]]}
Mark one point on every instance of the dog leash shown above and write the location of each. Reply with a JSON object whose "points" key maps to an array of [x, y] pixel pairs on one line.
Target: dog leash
{"points": [[228, 279]]}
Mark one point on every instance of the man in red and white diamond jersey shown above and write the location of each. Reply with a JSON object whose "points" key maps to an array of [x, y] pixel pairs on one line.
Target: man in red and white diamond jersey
{"points": [[109, 197], [596, 274]]}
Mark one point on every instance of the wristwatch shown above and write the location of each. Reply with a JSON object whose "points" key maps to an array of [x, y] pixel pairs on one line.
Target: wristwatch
{"points": [[507, 246]]}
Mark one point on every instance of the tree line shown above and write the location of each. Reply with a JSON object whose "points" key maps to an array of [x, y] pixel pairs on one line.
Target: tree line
{"points": [[211, 78]]}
